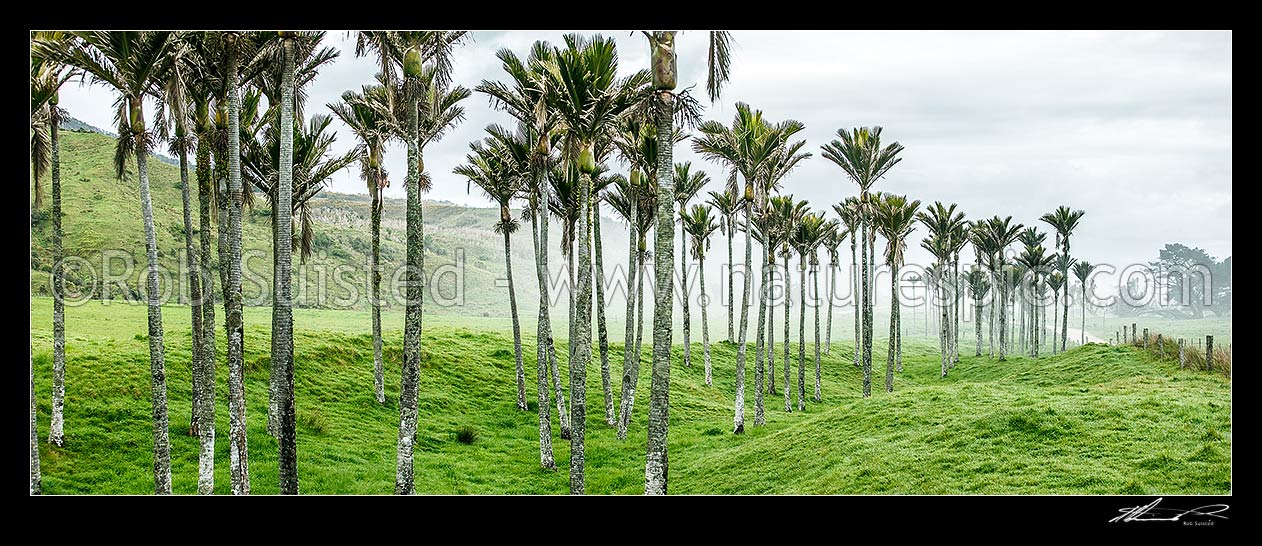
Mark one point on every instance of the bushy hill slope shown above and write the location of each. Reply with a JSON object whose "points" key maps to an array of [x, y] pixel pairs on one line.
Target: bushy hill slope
{"points": [[1097, 419], [103, 213]]}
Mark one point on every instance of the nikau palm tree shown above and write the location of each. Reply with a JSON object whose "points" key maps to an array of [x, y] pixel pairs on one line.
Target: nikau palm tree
{"points": [[588, 99], [524, 98], [726, 205], [700, 225], [1064, 221], [47, 77], [1002, 232], [835, 238], [687, 185], [848, 211], [1082, 271], [369, 116], [132, 63], [492, 168], [746, 147], [428, 85], [895, 220], [859, 154]]}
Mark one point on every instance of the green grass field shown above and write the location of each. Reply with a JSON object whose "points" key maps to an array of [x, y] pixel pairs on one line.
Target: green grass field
{"points": [[1192, 329], [1097, 419]]}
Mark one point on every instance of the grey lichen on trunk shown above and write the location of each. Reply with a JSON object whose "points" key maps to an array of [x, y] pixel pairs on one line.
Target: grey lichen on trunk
{"points": [[195, 298], [739, 418], [655, 470], [282, 307], [602, 331], [56, 433], [404, 482], [36, 481], [233, 323], [374, 278], [543, 335], [206, 407], [157, 364], [582, 345], [760, 347], [630, 353]]}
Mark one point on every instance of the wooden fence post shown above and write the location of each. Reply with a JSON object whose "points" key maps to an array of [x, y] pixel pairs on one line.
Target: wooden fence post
{"points": [[1182, 357], [1161, 348], [1209, 353], [1145, 338]]}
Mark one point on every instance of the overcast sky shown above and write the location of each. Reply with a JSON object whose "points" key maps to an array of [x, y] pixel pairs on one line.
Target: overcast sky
{"points": [[1133, 127]]}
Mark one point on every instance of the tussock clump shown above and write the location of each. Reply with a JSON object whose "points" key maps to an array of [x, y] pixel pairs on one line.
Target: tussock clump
{"points": [[467, 434]]}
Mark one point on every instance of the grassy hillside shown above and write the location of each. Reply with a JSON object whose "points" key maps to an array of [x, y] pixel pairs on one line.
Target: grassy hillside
{"points": [[1097, 419], [103, 213]]}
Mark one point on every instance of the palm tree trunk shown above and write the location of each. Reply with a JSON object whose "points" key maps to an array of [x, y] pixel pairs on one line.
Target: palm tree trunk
{"points": [[563, 414], [944, 329], [1055, 308], [36, 485], [739, 417], [731, 284], [195, 300], [206, 454], [889, 360], [630, 353], [655, 470], [705, 325], [543, 336], [1064, 319], [802, 333], [206, 428], [282, 308], [512, 307], [1002, 303], [639, 332], [683, 291], [815, 282], [56, 433], [760, 338], [771, 327], [573, 295], [828, 328], [404, 482], [994, 299], [1082, 332], [978, 313], [378, 368], [581, 347], [854, 285], [233, 323], [867, 316], [788, 320], [602, 331], [898, 328], [957, 297], [157, 364]]}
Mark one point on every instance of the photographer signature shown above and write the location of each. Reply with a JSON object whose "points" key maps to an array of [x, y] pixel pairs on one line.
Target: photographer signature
{"points": [[1149, 512]]}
